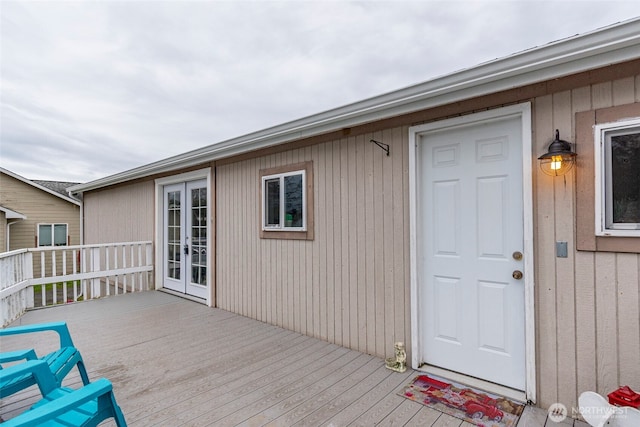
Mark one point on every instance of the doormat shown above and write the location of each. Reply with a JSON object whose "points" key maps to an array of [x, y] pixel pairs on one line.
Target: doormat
{"points": [[472, 405]]}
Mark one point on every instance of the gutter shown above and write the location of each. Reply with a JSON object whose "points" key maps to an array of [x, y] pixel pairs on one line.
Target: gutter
{"points": [[610, 45]]}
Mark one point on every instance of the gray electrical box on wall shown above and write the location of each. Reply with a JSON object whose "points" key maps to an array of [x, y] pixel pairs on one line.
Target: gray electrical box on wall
{"points": [[561, 249]]}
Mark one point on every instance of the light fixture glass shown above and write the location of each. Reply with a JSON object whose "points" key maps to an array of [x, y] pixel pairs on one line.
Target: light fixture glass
{"points": [[559, 159]]}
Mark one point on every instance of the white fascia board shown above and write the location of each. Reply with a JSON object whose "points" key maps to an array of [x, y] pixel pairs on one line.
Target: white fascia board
{"points": [[610, 45], [38, 186]]}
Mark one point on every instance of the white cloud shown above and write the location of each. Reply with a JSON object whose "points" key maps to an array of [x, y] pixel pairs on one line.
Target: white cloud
{"points": [[94, 88]]}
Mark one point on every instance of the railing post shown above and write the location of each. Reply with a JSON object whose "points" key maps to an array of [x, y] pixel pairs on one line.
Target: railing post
{"points": [[147, 262], [95, 266], [27, 274], [54, 274]]}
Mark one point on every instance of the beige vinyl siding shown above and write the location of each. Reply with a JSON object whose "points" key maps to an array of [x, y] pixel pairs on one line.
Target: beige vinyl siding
{"points": [[39, 207], [120, 214], [350, 285], [587, 305]]}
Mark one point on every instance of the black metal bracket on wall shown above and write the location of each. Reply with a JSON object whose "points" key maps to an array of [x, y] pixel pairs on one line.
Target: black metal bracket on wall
{"points": [[382, 145]]}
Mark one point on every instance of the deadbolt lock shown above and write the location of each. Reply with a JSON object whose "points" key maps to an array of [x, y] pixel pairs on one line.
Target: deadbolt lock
{"points": [[517, 255], [517, 274]]}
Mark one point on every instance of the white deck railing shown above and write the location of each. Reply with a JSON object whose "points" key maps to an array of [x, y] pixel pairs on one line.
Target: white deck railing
{"points": [[39, 277]]}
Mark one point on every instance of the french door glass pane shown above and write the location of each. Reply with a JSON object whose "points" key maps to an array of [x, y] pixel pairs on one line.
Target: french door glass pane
{"points": [[198, 235], [173, 241]]}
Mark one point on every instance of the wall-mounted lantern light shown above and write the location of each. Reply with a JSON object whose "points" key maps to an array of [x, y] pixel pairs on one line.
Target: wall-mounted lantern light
{"points": [[559, 159]]}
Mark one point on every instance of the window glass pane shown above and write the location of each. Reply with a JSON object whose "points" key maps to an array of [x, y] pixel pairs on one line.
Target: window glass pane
{"points": [[293, 201], [60, 234], [272, 201], [44, 235], [625, 178]]}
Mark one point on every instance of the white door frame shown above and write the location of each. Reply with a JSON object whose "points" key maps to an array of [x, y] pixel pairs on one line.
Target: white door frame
{"points": [[159, 232], [523, 111]]}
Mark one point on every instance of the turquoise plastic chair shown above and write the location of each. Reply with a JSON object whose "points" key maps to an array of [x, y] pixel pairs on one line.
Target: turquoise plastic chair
{"points": [[87, 406], [60, 362]]}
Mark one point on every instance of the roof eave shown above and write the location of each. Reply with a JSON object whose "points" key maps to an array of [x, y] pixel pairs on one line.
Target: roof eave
{"points": [[11, 214], [614, 44]]}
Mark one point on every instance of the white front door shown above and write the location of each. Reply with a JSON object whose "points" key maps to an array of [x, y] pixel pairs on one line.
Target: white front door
{"points": [[185, 236], [471, 306]]}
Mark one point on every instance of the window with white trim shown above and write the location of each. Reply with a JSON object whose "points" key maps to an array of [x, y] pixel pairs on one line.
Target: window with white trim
{"points": [[284, 201], [52, 234], [617, 159]]}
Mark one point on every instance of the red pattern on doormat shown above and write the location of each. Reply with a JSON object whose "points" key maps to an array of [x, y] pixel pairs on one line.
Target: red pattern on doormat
{"points": [[472, 405]]}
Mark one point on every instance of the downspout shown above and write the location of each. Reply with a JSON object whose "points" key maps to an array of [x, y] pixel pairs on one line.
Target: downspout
{"points": [[81, 223], [8, 242], [79, 197]]}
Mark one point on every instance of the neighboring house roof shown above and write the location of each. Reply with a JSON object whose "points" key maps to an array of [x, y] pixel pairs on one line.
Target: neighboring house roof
{"points": [[10, 214], [609, 45], [55, 186]]}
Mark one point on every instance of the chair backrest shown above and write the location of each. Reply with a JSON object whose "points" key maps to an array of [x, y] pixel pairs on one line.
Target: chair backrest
{"points": [[59, 327]]}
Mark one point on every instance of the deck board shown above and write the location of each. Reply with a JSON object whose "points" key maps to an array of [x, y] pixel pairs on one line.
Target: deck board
{"points": [[175, 362]]}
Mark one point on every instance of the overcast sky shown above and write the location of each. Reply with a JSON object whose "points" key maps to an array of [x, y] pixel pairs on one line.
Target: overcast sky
{"points": [[92, 88]]}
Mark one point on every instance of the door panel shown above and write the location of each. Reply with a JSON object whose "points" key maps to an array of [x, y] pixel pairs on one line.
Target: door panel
{"points": [[471, 221], [447, 290], [196, 283], [174, 237]]}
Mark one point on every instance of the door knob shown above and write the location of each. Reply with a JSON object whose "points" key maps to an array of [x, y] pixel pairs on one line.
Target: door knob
{"points": [[517, 255], [517, 274]]}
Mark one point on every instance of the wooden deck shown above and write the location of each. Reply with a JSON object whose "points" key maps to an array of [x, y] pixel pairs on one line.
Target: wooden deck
{"points": [[174, 362]]}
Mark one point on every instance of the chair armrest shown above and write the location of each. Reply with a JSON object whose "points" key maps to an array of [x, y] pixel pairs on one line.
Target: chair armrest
{"points": [[59, 327], [61, 405], [12, 356], [36, 368]]}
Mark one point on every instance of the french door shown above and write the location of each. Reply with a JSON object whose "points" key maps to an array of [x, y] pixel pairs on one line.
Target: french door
{"points": [[185, 213]]}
